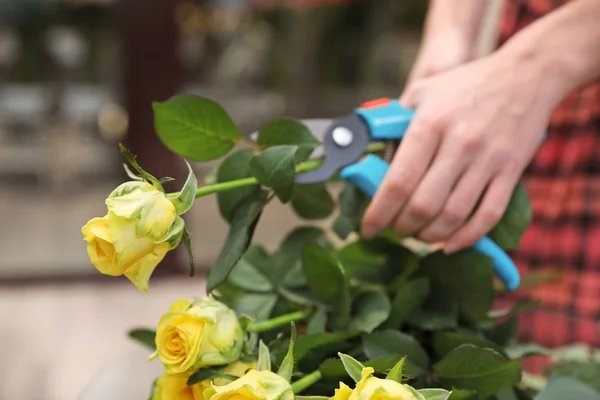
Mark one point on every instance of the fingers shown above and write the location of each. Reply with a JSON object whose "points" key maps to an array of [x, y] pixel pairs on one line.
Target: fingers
{"points": [[460, 203], [432, 193], [488, 214], [410, 163]]}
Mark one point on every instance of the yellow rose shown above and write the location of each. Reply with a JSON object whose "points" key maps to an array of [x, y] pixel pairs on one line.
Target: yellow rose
{"points": [[255, 385], [198, 333], [140, 227], [343, 393], [174, 387], [373, 388]]}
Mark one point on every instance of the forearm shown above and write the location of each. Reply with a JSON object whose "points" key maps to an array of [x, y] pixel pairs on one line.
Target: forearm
{"points": [[563, 47], [458, 18]]}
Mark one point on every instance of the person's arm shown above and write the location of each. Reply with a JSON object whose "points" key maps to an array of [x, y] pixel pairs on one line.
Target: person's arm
{"points": [[477, 126], [449, 36], [564, 45]]}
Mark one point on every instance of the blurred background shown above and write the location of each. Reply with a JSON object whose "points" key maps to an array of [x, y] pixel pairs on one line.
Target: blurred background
{"points": [[78, 76]]}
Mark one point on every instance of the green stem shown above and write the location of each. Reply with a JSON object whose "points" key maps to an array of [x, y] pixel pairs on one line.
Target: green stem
{"points": [[239, 183], [304, 383], [276, 322]]}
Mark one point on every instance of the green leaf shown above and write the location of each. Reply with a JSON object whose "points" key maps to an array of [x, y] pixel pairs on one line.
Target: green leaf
{"points": [[301, 296], [467, 277], [166, 179], [479, 369], [195, 127], [373, 261], [586, 372], [352, 367], [407, 300], [287, 261], [388, 342], [288, 131], [132, 175], [445, 342], [438, 311], [505, 333], [326, 279], [567, 388], [185, 199], [206, 374], [461, 394], [372, 309], [275, 168], [256, 305], [317, 322], [144, 336], [323, 272], [434, 394], [352, 205], [235, 166], [145, 175], [175, 233], [247, 276], [187, 242], [396, 373], [305, 343], [508, 232], [286, 369], [312, 201], [264, 357], [526, 350], [240, 233], [415, 393]]}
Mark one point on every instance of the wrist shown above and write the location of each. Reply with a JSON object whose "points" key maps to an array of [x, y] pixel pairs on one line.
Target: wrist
{"points": [[454, 19], [548, 73]]}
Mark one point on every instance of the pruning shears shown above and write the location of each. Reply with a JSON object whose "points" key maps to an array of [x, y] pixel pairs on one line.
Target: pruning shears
{"points": [[345, 143]]}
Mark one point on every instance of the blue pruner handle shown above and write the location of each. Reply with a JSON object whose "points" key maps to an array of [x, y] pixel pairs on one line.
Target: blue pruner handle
{"points": [[368, 174], [385, 118]]}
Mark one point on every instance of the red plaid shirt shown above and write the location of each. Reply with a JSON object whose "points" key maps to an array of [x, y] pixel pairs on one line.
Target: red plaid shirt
{"points": [[563, 182]]}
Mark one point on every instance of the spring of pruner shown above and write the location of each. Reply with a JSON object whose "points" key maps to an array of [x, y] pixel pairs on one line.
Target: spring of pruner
{"points": [[389, 150]]}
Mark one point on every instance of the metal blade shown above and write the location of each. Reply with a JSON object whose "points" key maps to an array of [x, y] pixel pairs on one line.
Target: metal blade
{"points": [[339, 153], [318, 127]]}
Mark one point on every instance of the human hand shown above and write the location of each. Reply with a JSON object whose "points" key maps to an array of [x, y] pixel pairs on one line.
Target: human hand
{"points": [[476, 128]]}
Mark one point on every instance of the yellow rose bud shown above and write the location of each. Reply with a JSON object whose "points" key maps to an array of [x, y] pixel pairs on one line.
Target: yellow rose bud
{"points": [[255, 385], [373, 388], [174, 387], [343, 393], [141, 226], [198, 333]]}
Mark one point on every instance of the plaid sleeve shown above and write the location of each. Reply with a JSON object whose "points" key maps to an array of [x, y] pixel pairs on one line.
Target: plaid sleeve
{"points": [[563, 182]]}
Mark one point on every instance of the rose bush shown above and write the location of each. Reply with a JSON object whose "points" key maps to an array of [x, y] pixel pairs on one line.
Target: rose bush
{"points": [[416, 323]]}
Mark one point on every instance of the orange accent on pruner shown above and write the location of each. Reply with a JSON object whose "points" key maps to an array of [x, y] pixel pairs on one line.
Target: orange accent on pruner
{"points": [[375, 103]]}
